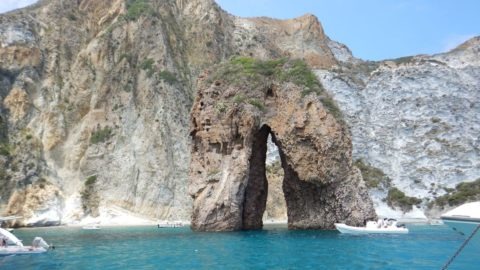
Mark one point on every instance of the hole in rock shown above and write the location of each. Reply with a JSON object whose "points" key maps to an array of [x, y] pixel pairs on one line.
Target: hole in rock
{"points": [[264, 200]]}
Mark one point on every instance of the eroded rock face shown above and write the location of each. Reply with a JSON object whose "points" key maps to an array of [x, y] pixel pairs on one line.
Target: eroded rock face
{"points": [[231, 121]]}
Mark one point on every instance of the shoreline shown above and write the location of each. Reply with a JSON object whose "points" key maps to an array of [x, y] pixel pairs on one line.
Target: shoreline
{"points": [[411, 221]]}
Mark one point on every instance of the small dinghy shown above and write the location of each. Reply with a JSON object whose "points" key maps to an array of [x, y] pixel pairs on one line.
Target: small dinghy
{"points": [[91, 227], [379, 227], [176, 224], [11, 245]]}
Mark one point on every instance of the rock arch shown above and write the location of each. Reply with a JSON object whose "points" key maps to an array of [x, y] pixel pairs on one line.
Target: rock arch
{"points": [[230, 123]]}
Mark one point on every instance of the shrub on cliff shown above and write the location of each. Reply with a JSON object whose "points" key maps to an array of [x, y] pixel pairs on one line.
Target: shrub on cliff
{"points": [[167, 77], [373, 177], [463, 192], [89, 196], [100, 135], [396, 198]]}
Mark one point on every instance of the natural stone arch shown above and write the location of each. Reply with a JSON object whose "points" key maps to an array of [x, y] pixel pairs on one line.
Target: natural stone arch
{"points": [[236, 107]]}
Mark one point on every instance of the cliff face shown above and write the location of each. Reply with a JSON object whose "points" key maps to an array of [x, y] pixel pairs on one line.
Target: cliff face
{"points": [[95, 99], [416, 118]]}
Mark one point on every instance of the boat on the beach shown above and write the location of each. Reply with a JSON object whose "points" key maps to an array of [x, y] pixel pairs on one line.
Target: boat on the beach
{"points": [[91, 227], [167, 224], [463, 219], [11, 245], [373, 227]]}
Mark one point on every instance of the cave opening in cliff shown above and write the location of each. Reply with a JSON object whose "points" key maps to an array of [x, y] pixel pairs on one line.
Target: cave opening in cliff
{"points": [[264, 200]]}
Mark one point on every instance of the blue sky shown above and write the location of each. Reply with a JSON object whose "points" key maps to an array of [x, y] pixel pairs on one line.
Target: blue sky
{"points": [[372, 29], [379, 29]]}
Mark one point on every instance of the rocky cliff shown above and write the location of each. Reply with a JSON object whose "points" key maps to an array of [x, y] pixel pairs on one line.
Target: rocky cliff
{"points": [[95, 99], [416, 118], [238, 105]]}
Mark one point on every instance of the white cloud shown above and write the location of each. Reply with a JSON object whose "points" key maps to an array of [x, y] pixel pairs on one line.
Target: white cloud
{"points": [[7, 5], [452, 41]]}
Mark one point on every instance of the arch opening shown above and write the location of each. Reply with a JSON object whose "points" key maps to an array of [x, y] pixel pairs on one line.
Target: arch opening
{"points": [[257, 192]]}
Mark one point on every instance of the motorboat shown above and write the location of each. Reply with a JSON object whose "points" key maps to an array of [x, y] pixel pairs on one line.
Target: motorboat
{"points": [[91, 227], [11, 245], [167, 224], [463, 219], [373, 227]]}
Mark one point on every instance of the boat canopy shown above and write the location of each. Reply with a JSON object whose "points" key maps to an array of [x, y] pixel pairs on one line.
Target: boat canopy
{"points": [[468, 210], [10, 238]]}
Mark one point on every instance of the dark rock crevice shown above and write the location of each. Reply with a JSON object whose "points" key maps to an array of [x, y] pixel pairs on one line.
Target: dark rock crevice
{"points": [[257, 185]]}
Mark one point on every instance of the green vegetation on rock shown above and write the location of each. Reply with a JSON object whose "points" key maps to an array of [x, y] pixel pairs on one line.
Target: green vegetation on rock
{"points": [[100, 135], [463, 192], [147, 65], [254, 73], [257, 103], [373, 177], [5, 150], [136, 8], [239, 98], [396, 198], [91, 180], [332, 107], [167, 77], [89, 196]]}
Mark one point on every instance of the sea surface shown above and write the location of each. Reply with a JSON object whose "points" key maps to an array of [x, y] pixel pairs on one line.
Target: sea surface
{"points": [[425, 247]]}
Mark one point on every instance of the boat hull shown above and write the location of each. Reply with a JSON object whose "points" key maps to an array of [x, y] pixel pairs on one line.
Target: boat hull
{"points": [[17, 250], [462, 226], [343, 228], [90, 228]]}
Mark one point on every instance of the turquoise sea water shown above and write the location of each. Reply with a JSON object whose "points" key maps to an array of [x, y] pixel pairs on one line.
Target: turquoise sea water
{"points": [[425, 247]]}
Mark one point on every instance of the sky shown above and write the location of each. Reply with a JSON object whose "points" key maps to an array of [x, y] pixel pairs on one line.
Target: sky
{"points": [[372, 29], [379, 29]]}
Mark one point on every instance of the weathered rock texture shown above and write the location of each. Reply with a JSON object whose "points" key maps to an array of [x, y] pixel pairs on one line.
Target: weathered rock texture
{"points": [[231, 120]]}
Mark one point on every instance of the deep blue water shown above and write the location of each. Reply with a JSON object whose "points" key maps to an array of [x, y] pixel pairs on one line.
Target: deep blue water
{"points": [[425, 247]]}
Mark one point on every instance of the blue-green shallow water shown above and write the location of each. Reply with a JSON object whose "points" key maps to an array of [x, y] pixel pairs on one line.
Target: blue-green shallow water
{"points": [[426, 247]]}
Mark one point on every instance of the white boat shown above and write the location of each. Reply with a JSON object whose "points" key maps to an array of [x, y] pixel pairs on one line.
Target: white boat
{"points": [[11, 245], [91, 227], [373, 227], [463, 219], [176, 224]]}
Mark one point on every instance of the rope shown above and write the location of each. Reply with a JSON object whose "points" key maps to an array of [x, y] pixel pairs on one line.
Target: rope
{"points": [[461, 248]]}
